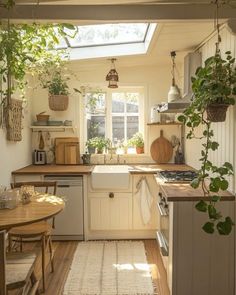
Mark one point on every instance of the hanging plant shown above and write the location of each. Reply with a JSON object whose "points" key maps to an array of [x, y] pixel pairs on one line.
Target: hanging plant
{"points": [[22, 45], [214, 86]]}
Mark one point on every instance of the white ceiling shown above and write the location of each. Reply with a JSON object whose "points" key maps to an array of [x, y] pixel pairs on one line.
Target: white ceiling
{"points": [[180, 37], [171, 35]]}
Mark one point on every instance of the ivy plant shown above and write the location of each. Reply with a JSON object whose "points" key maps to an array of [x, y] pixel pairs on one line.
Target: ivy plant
{"points": [[23, 45], [211, 178]]}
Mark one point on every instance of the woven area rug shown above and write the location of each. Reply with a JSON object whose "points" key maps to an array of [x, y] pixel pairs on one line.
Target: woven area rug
{"points": [[109, 268]]}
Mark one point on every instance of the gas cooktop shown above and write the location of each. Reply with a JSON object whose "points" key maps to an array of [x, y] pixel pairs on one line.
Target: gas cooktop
{"points": [[177, 176]]}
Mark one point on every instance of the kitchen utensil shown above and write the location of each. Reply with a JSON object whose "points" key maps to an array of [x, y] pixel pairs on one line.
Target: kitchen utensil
{"points": [[41, 141], [161, 149]]}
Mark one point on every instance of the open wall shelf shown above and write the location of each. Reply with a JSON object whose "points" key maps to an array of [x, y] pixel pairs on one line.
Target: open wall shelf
{"points": [[52, 128]]}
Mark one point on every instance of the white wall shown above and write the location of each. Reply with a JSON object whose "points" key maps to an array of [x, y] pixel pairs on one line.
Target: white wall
{"points": [[156, 81], [225, 132], [14, 155]]}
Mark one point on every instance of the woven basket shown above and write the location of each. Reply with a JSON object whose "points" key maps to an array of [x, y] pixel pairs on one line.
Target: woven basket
{"points": [[13, 120], [216, 112], [58, 102]]}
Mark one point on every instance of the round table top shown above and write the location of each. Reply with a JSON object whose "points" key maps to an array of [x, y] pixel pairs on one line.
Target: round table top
{"points": [[41, 207]]}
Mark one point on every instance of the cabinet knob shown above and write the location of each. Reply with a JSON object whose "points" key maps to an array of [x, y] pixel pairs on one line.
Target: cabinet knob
{"points": [[111, 195]]}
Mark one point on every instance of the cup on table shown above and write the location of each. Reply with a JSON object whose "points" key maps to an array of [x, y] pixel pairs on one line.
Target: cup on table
{"points": [[26, 192]]}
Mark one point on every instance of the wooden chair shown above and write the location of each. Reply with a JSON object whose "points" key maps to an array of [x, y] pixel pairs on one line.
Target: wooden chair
{"points": [[16, 271], [41, 229]]}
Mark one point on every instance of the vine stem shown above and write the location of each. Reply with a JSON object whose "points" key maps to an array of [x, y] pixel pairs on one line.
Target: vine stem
{"points": [[205, 190]]}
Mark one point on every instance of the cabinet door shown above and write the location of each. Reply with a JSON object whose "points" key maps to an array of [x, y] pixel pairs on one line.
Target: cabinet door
{"points": [[110, 213], [137, 216]]}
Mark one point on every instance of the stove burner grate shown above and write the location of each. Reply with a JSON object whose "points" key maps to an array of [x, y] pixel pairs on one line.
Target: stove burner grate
{"points": [[178, 176]]}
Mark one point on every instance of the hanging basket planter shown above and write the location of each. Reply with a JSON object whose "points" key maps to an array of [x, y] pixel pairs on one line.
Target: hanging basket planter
{"points": [[216, 112], [58, 102]]}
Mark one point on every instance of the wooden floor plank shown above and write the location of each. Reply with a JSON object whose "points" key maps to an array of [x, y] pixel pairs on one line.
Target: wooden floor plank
{"points": [[64, 252]]}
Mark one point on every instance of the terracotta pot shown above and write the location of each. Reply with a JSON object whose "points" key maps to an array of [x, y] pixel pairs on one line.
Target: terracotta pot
{"points": [[216, 112], [139, 150]]}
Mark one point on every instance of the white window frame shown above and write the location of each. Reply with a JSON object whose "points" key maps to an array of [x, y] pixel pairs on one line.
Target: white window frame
{"points": [[108, 110]]}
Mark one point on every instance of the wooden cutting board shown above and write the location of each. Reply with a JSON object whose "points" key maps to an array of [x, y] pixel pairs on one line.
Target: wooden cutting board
{"points": [[67, 150], [161, 149]]}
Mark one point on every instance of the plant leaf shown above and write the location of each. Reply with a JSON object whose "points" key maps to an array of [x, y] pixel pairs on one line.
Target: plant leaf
{"points": [[201, 206], [208, 227]]}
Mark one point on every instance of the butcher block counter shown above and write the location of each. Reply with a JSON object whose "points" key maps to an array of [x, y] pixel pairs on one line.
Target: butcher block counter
{"points": [[184, 192], [87, 169], [54, 169]]}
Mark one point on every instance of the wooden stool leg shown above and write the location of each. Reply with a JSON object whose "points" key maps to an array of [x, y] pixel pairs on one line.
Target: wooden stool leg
{"points": [[51, 253], [43, 262], [21, 245], [9, 243]]}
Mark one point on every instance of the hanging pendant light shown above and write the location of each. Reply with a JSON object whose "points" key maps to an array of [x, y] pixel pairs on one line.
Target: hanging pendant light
{"points": [[174, 92], [112, 77]]}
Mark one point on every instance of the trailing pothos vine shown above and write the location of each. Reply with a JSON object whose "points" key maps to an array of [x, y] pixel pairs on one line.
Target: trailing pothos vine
{"points": [[211, 178]]}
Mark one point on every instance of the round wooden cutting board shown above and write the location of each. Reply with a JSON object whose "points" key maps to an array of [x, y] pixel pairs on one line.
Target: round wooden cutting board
{"points": [[161, 149]]}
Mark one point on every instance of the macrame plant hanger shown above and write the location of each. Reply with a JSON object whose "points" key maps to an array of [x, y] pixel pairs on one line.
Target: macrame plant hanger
{"points": [[217, 27]]}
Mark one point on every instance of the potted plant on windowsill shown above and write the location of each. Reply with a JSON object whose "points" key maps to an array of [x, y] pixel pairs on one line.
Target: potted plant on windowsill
{"points": [[214, 86], [137, 141], [98, 143]]}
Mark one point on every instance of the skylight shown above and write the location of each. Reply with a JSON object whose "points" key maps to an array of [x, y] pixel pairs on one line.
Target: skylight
{"points": [[109, 34], [109, 40]]}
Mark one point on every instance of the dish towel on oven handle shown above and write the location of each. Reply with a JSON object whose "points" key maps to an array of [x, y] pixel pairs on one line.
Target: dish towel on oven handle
{"points": [[145, 199]]}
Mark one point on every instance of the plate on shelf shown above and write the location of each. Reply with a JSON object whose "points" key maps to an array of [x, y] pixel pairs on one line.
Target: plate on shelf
{"points": [[55, 123], [40, 123]]}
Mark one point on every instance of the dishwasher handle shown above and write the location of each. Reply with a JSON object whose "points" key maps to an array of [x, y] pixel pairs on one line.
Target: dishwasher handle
{"points": [[63, 185]]}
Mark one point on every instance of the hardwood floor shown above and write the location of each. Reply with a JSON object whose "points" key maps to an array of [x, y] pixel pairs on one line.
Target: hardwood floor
{"points": [[63, 256]]}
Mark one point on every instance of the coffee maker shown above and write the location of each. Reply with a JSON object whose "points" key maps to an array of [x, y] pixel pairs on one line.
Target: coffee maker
{"points": [[39, 157]]}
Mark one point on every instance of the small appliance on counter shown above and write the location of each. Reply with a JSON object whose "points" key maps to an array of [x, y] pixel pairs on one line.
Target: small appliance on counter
{"points": [[39, 157]]}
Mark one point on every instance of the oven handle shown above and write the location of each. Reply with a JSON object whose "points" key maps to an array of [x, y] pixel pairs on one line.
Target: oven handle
{"points": [[162, 210], [162, 244]]}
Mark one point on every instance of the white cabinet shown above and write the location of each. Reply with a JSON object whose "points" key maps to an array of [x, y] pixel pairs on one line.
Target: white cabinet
{"points": [[137, 216], [199, 263], [110, 211]]}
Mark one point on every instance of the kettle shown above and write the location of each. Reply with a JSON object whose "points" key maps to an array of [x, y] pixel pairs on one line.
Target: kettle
{"points": [[86, 158]]}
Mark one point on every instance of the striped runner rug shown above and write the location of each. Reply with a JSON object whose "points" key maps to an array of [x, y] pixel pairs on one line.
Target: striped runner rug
{"points": [[109, 268]]}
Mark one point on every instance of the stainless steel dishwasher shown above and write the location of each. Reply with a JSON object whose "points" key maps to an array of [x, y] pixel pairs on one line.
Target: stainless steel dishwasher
{"points": [[69, 224]]}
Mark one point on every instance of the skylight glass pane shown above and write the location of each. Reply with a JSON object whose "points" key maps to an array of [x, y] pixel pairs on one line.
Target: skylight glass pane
{"points": [[94, 35]]}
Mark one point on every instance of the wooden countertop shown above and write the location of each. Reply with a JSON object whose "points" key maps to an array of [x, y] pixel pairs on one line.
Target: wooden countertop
{"points": [[184, 192], [87, 169], [55, 169]]}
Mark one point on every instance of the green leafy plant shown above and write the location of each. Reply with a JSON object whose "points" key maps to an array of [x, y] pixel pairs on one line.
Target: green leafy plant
{"points": [[20, 51], [136, 140], [211, 87], [100, 143], [215, 83]]}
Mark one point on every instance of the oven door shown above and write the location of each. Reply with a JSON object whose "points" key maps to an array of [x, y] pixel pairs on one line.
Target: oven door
{"points": [[163, 233]]}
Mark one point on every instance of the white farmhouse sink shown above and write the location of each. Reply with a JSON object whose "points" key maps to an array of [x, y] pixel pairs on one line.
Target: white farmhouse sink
{"points": [[110, 177]]}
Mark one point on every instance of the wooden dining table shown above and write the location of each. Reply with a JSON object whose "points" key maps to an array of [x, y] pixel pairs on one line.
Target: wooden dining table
{"points": [[41, 207]]}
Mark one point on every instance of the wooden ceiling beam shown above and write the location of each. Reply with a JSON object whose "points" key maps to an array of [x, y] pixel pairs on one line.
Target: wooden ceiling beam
{"points": [[116, 13]]}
